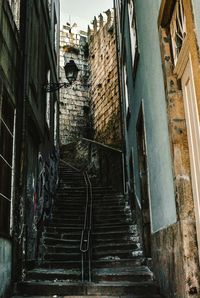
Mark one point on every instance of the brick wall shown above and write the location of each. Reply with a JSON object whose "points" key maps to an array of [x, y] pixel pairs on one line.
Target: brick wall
{"points": [[105, 106]]}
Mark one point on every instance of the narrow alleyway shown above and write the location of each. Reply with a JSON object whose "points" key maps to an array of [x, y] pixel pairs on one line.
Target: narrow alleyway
{"points": [[117, 266]]}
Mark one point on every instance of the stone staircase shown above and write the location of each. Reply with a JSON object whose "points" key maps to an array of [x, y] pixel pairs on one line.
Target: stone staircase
{"points": [[118, 266]]}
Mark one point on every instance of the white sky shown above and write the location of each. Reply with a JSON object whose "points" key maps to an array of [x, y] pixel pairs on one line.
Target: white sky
{"points": [[82, 12]]}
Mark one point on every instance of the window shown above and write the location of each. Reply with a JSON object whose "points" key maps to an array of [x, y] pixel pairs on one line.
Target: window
{"points": [[6, 152], [178, 29]]}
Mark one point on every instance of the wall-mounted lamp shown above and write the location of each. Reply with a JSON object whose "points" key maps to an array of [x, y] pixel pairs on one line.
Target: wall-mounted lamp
{"points": [[71, 73]]}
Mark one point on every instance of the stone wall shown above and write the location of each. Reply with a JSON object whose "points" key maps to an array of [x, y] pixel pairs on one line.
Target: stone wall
{"points": [[74, 101], [105, 106]]}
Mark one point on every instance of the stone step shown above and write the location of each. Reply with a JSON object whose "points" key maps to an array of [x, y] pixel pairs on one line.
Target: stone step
{"points": [[56, 241], [115, 262], [66, 220], [61, 264], [90, 296], [100, 228], [112, 221], [107, 246], [122, 239], [123, 276], [65, 224], [148, 289], [69, 209], [118, 254], [67, 215], [51, 249], [63, 256], [50, 288], [70, 202], [54, 274]]}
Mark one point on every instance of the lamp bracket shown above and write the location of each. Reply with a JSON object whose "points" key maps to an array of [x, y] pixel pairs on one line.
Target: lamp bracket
{"points": [[52, 87]]}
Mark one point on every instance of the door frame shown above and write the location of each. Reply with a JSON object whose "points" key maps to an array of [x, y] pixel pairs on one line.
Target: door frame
{"points": [[193, 134]]}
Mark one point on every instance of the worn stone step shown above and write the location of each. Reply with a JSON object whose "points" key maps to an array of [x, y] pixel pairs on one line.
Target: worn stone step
{"points": [[112, 203], [66, 236], [70, 198], [58, 229], [54, 274], [67, 215], [61, 264], [90, 296], [115, 262], [112, 236], [139, 273], [70, 209], [65, 224], [56, 241], [148, 288], [66, 220], [107, 246], [115, 228], [118, 254], [63, 256], [112, 221], [50, 288], [114, 214], [122, 239], [70, 202], [51, 249]]}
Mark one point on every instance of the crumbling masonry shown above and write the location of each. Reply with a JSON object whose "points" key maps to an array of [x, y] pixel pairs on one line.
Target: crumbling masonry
{"points": [[91, 107]]}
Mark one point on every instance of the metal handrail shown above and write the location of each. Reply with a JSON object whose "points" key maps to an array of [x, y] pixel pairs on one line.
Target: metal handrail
{"points": [[102, 145], [69, 165], [85, 243]]}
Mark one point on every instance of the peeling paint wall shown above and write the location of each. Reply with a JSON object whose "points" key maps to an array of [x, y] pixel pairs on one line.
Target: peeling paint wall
{"points": [[74, 100], [105, 107]]}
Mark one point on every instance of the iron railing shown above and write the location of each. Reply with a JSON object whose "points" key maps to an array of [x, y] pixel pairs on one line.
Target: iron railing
{"points": [[86, 239]]}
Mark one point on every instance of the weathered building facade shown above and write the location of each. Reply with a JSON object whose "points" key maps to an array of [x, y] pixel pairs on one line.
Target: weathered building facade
{"points": [[74, 101], [9, 70], [105, 104], [159, 75], [29, 42]]}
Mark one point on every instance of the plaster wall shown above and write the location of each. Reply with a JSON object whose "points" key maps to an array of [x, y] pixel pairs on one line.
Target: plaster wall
{"points": [[149, 88], [5, 266]]}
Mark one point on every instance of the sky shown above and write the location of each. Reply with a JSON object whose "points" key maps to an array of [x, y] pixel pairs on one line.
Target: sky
{"points": [[82, 12]]}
